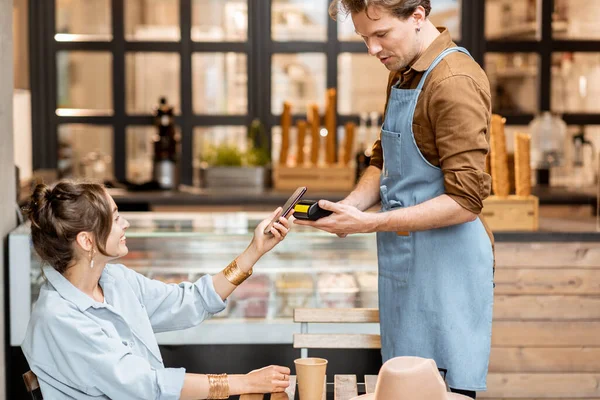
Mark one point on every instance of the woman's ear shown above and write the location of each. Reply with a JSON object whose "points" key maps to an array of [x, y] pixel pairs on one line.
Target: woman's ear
{"points": [[85, 241]]}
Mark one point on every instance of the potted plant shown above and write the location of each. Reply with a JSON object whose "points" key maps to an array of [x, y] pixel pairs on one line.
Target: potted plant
{"points": [[226, 166]]}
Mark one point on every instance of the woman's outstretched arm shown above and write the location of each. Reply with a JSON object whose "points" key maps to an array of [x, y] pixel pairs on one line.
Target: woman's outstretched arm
{"points": [[261, 244]]}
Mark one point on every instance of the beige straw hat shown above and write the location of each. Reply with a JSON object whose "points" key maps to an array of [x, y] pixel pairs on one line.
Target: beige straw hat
{"points": [[411, 378]]}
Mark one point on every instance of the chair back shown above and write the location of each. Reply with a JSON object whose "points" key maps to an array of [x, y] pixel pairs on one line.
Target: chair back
{"points": [[306, 340], [32, 385]]}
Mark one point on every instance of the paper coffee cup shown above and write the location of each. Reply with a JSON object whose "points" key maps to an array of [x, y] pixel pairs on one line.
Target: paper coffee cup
{"points": [[310, 375]]}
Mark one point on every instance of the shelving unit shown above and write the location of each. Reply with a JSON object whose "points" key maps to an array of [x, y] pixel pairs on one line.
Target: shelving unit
{"points": [[545, 46], [526, 29], [259, 48]]}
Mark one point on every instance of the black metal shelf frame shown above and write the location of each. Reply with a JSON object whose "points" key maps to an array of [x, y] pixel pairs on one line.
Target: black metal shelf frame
{"points": [[544, 47], [259, 50], [44, 49]]}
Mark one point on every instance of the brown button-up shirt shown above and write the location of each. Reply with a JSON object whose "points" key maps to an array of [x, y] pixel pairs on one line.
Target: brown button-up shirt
{"points": [[451, 121]]}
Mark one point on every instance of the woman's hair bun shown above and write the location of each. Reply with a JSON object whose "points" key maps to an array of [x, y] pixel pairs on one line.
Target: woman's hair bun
{"points": [[39, 204]]}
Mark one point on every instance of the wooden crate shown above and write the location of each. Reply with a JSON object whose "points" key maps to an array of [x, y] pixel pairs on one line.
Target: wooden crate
{"points": [[512, 213], [325, 178]]}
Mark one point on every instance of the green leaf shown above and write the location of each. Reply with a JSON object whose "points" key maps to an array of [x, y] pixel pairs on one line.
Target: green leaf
{"points": [[224, 156]]}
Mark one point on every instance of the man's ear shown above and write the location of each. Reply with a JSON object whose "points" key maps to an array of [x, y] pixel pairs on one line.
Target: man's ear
{"points": [[419, 16], [85, 240]]}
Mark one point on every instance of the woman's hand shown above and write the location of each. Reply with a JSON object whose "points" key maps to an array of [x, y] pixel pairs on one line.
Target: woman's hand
{"points": [[271, 379], [262, 242]]}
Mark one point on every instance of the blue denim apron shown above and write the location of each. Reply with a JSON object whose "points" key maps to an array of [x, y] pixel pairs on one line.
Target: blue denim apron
{"points": [[436, 286]]}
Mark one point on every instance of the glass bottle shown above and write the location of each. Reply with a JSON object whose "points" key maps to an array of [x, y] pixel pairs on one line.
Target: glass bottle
{"points": [[166, 157], [548, 133]]}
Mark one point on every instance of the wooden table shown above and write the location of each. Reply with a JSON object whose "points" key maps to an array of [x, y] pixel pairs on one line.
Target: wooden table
{"points": [[345, 387]]}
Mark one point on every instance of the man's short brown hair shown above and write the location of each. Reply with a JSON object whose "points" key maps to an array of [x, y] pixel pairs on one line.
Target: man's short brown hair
{"points": [[398, 8]]}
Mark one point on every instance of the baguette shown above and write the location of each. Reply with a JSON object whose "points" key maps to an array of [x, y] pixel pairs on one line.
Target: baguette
{"points": [[522, 164], [286, 123], [499, 159]]}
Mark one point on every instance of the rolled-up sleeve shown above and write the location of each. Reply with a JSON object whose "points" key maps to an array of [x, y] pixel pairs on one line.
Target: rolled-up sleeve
{"points": [[460, 113], [176, 306], [170, 381], [97, 364], [377, 155]]}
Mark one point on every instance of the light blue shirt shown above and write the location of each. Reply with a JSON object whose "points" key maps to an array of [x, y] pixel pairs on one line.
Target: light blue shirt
{"points": [[82, 349]]}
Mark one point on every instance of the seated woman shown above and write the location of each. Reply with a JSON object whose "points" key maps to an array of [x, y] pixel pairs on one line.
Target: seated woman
{"points": [[91, 333]]}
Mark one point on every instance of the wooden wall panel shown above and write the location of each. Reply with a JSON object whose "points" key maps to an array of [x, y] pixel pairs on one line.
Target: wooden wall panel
{"points": [[547, 281], [547, 255], [546, 386], [546, 334], [540, 307], [530, 359]]}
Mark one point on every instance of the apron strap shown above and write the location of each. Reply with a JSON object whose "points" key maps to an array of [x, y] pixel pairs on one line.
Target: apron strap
{"points": [[437, 61]]}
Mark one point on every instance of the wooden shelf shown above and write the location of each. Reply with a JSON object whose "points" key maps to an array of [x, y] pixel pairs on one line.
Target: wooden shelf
{"points": [[516, 72], [526, 29]]}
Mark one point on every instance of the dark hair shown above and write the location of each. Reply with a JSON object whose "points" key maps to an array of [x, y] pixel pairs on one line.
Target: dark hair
{"points": [[399, 8], [58, 214]]}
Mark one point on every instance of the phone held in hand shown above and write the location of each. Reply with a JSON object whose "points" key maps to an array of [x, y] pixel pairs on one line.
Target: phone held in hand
{"points": [[287, 207]]}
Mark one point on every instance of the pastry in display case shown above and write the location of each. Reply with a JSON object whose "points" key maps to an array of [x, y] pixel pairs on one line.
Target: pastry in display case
{"points": [[367, 284], [293, 290], [251, 300], [310, 268], [337, 290]]}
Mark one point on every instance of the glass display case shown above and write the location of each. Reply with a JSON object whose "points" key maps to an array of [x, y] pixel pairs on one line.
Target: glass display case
{"points": [[309, 269]]}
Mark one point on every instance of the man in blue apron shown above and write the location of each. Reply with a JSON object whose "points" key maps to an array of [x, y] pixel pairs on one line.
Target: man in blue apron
{"points": [[435, 254]]}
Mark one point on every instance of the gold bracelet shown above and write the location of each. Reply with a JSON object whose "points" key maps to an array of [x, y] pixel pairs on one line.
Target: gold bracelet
{"points": [[218, 386], [234, 274]]}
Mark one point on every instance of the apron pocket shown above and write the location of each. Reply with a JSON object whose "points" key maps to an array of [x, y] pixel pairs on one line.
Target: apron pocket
{"points": [[391, 143], [394, 251], [395, 256]]}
